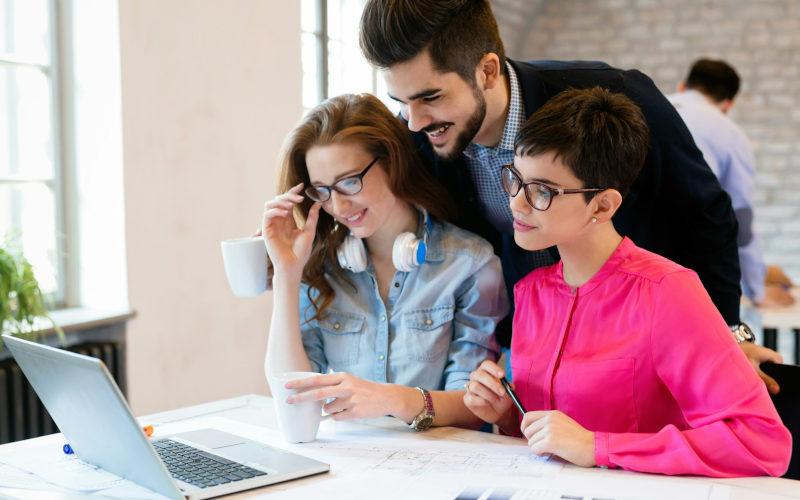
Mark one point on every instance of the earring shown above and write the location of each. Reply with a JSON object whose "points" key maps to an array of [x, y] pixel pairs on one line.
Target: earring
{"points": [[594, 219]]}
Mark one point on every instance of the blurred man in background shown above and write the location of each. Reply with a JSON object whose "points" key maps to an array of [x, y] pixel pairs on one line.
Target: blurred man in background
{"points": [[703, 101]]}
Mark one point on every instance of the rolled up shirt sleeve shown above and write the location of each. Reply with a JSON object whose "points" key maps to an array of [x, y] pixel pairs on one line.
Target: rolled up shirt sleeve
{"points": [[481, 302]]}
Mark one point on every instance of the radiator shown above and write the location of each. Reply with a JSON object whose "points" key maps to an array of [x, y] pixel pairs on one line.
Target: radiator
{"points": [[22, 415]]}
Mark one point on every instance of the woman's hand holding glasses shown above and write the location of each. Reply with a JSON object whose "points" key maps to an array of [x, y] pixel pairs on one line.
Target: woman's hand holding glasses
{"points": [[288, 245]]}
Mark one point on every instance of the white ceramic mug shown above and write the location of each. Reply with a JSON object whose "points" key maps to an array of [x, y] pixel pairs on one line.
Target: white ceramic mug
{"points": [[246, 265], [298, 422]]}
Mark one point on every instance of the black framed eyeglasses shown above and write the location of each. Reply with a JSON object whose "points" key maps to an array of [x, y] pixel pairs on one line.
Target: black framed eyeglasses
{"points": [[538, 195], [348, 186]]}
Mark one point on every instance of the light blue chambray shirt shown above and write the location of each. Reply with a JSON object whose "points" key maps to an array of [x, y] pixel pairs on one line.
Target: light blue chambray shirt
{"points": [[436, 327]]}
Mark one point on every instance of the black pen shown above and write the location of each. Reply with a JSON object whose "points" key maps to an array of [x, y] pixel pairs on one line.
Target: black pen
{"points": [[513, 395]]}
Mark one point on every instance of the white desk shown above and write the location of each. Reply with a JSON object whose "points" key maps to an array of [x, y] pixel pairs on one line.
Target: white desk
{"points": [[352, 450]]}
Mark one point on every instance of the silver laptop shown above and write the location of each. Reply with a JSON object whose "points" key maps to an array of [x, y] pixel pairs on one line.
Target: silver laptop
{"points": [[91, 412]]}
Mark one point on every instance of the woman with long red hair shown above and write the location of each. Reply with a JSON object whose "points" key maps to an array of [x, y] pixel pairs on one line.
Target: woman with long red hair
{"points": [[373, 284]]}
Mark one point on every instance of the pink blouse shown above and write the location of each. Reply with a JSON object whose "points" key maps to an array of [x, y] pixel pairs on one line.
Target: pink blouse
{"points": [[640, 356]]}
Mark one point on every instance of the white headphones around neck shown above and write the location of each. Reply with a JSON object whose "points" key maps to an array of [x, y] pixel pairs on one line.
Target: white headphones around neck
{"points": [[408, 251]]}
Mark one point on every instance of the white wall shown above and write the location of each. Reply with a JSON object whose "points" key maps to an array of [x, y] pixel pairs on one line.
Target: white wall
{"points": [[209, 90]]}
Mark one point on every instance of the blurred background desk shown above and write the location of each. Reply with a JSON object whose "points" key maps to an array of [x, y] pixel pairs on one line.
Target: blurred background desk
{"points": [[779, 325]]}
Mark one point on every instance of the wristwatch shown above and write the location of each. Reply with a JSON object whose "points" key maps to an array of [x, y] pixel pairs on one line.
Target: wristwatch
{"points": [[424, 420], [743, 333]]}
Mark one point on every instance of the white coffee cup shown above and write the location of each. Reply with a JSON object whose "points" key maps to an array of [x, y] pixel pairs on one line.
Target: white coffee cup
{"points": [[246, 265], [298, 422]]}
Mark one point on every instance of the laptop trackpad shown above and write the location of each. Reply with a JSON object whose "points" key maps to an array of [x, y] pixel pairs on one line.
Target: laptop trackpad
{"points": [[211, 438], [243, 450], [262, 455]]}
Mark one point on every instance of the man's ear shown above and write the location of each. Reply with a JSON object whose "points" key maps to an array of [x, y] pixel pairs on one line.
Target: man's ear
{"points": [[489, 70], [681, 87], [606, 204]]}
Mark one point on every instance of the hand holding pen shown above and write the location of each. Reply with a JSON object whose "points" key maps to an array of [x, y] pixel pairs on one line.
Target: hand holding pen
{"points": [[487, 397], [513, 395]]}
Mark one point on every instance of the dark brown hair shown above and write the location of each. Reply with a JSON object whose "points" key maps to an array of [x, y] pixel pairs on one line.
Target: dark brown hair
{"points": [[365, 121], [716, 79], [601, 136], [457, 33]]}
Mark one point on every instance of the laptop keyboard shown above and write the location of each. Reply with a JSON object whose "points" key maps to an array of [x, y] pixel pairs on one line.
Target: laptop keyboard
{"points": [[200, 468]]}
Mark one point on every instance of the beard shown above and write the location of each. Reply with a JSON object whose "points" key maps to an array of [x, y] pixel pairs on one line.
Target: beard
{"points": [[471, 129]]}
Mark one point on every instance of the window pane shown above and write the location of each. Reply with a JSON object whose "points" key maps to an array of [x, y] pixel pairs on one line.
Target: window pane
{"points": [[29, 211], [334, 19], [308, 45], [308, 16], [348, 71], [24, 30], [383, 94], [26, 144], [351, 18]]}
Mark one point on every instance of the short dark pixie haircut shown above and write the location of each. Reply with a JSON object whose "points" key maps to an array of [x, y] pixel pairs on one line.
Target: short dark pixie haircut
{"points": [[457, 34], [601, 136], [717, 79]]}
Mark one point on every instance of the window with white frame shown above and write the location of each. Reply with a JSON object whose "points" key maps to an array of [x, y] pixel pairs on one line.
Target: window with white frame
{"points": [[31, 191], [331, 57]]}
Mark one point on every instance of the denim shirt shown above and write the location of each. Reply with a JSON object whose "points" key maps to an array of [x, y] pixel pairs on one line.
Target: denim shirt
{"points": [[436, 327]]}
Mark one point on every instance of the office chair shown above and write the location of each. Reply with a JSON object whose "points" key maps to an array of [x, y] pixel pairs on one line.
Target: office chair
{"points": [[787, 402]]}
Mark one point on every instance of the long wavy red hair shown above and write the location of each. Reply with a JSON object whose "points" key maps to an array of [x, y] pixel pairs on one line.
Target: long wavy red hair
{"points": [[364, 120]]}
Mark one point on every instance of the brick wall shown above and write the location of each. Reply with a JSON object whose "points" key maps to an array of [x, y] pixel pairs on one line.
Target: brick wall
{"points": [[662, 38]]}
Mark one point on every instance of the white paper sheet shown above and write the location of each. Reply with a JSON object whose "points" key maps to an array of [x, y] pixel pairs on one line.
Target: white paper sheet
{"points": [[411, 465], [449, 487], [46, 467], [13, 477], [352, 447]]}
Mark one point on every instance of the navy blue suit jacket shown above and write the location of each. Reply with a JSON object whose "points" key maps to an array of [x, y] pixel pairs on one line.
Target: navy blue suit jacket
{"points": [[676, 207]]}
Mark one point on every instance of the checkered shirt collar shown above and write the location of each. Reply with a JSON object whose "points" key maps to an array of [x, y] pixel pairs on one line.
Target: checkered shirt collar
{"points": [[514, 120]]}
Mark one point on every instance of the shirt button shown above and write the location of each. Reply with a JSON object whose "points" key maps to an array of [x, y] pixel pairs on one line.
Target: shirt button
{"points": [[381, 357], [336, 326], [396, 284], [429, 322], [383, 318]]}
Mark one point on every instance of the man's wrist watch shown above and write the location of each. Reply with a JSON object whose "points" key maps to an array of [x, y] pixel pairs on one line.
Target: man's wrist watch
{"points": [[742, 333], [424, 420]]}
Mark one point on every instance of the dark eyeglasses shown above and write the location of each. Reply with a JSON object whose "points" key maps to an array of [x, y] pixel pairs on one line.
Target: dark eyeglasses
{"points": [[538, 195], [347, 186]]}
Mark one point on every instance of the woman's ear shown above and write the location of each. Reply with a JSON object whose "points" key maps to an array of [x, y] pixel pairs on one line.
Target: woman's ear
{"points": [[606, 204]]}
